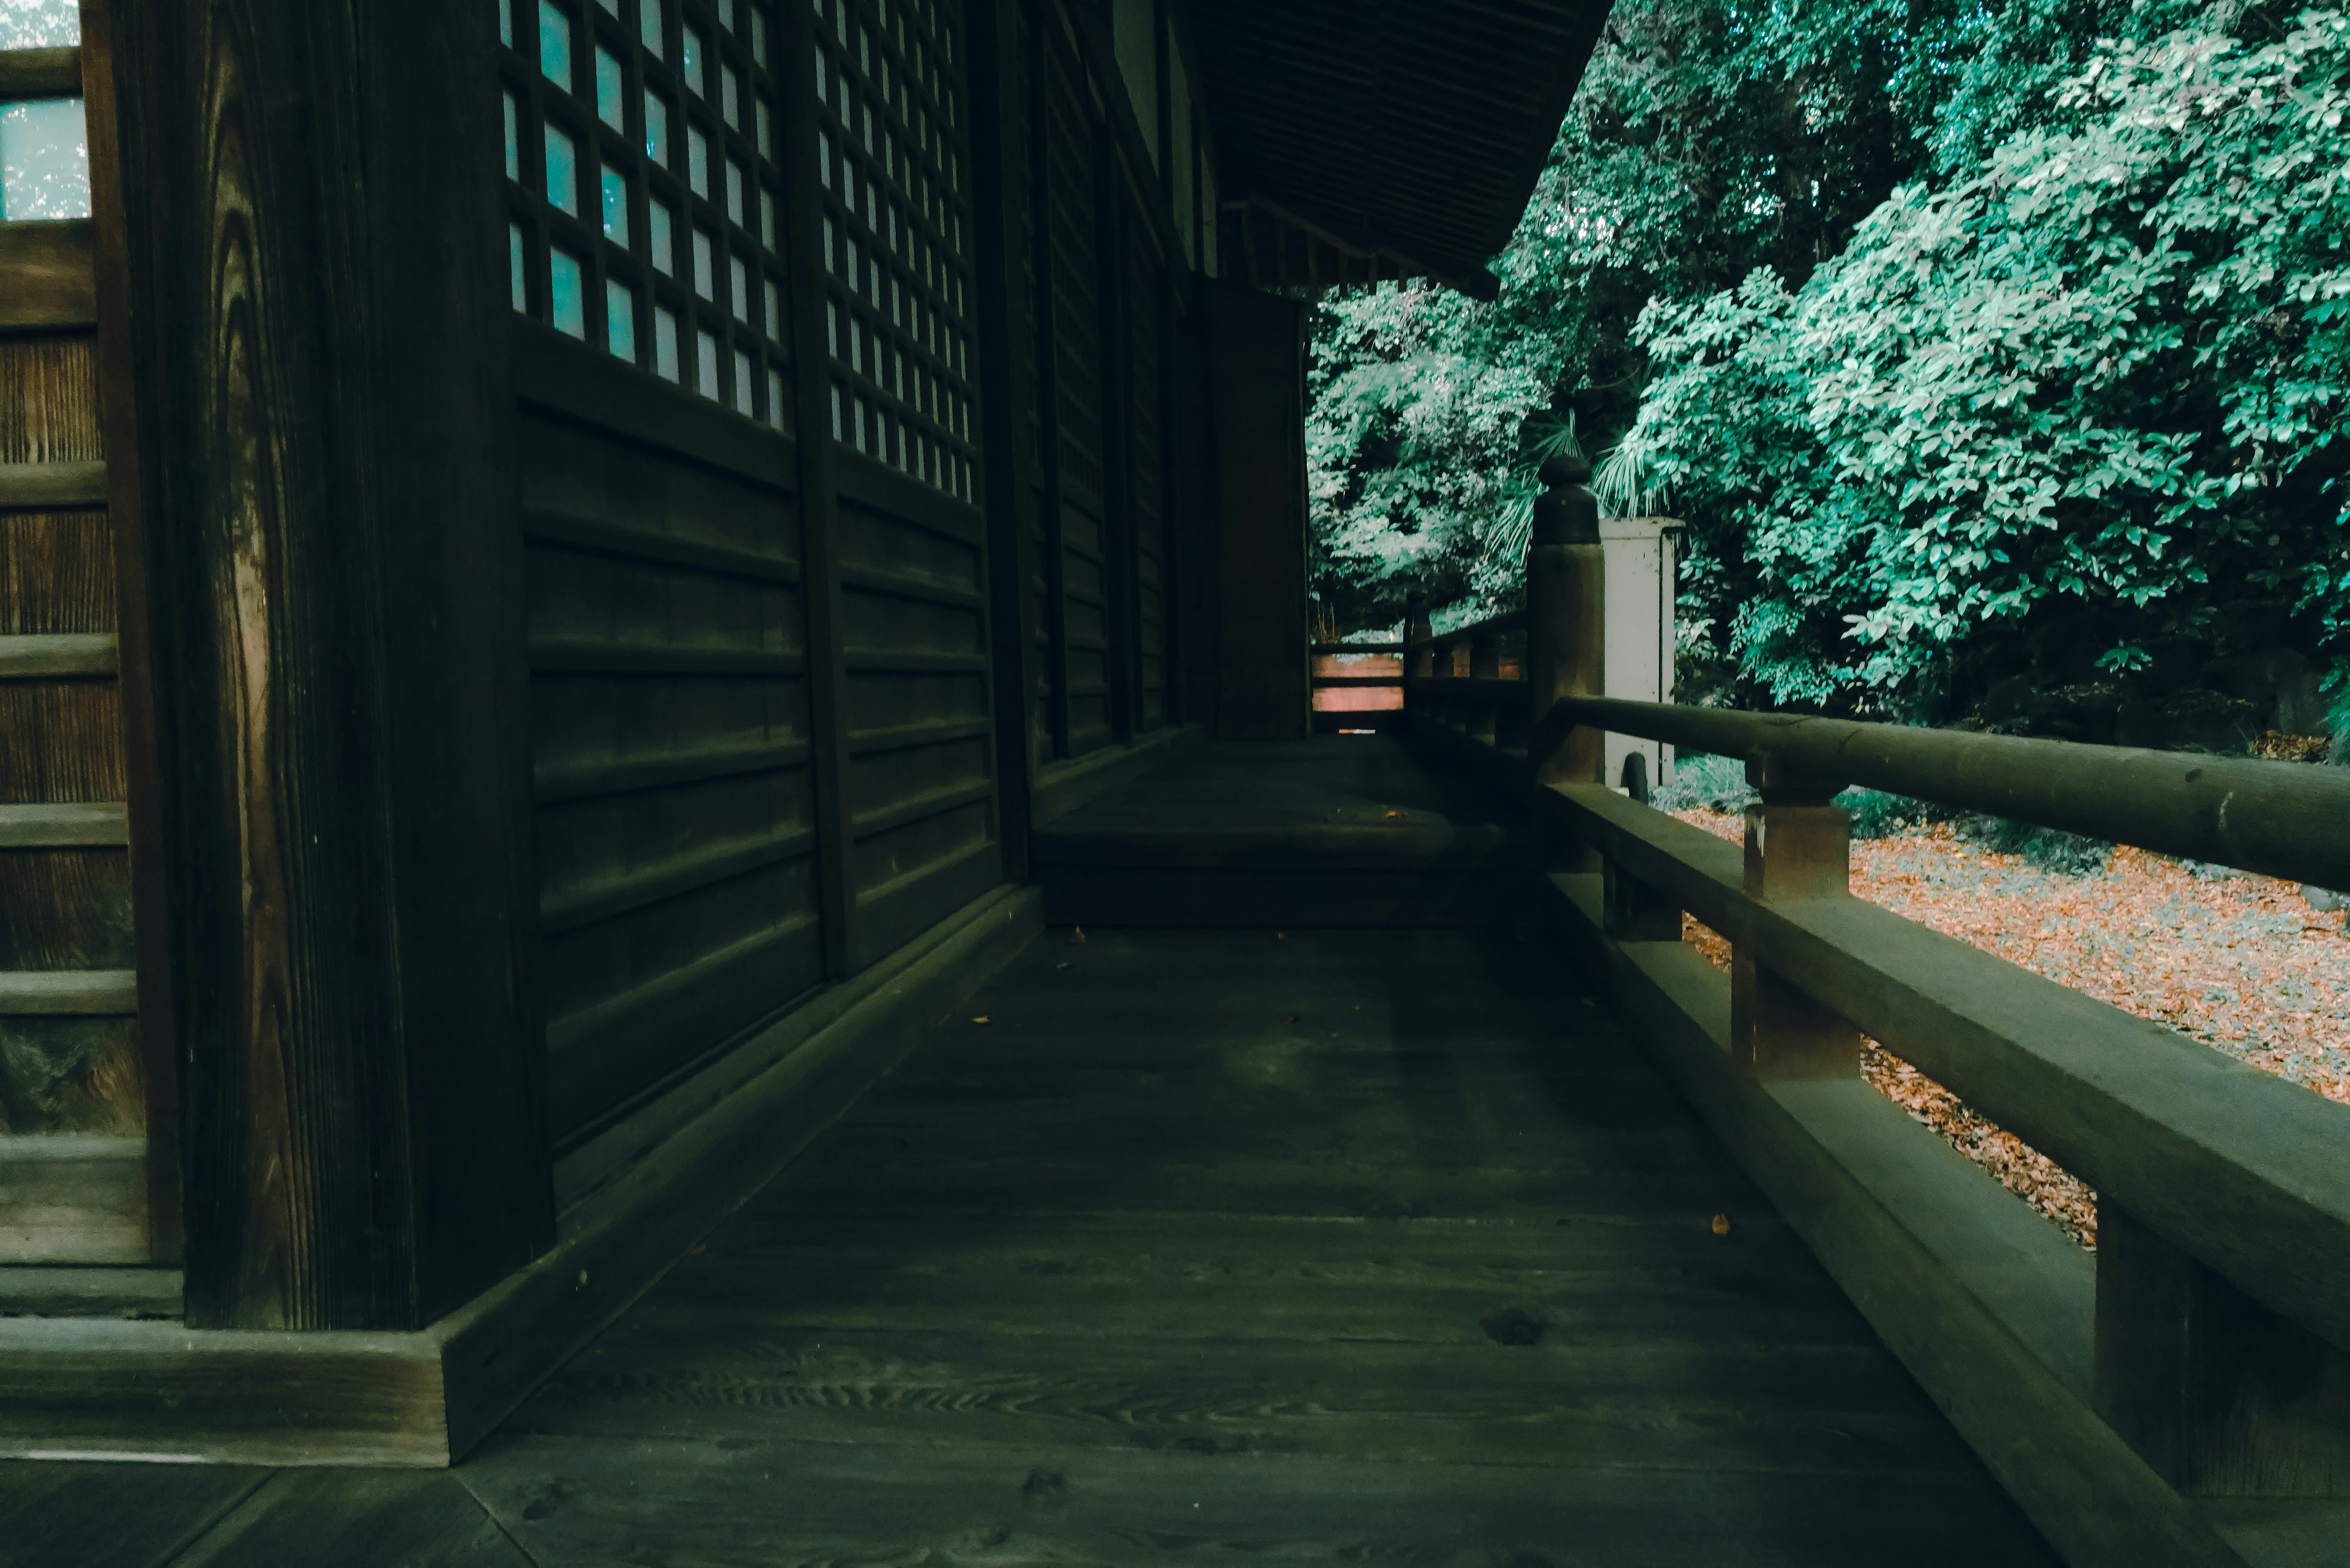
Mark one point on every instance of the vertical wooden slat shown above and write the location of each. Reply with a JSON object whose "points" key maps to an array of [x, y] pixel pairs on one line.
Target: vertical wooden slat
{"points": [[126, 519], [1007, 399], [819, 502]]}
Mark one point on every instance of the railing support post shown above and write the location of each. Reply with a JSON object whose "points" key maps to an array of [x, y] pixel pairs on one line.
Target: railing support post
{"points": [[2219, 1394], [1566, 633], [1484, 664], [1798, 845]]}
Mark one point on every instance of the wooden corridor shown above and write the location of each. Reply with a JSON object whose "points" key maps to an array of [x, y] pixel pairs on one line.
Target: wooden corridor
{"points": [[1187, 1246]]}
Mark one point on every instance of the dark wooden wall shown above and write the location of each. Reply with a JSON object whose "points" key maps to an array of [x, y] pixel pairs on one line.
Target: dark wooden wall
{"points": [[88, 1149], [572, 647]]}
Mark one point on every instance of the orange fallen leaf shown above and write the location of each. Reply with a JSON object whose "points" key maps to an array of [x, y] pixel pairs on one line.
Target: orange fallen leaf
{"points": [[1721, 1224], [983, 1018]]}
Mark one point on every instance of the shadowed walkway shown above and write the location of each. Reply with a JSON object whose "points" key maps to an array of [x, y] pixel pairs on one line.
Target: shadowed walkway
{"points": [[1206, 1247]]}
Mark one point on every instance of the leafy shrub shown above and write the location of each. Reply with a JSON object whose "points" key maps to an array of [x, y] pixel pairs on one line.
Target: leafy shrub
{"points": [[2045, 848]]}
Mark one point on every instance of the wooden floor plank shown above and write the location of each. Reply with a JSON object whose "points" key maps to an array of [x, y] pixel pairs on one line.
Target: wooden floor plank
{"points": [[1143, 1269], [56, 1515], [740, 1502], [358, 1519]]}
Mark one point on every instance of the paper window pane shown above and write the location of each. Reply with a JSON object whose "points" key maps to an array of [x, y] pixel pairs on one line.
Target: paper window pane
{"points": [[759, 37], [767, 132], [656, 129], [505, 27], [513, 260], [44, 160], [697, 160], [742, 382], [562, 171], [566, 293], [733, 191], [514, 139], [694, 50], [649, 32], [730, 97], [665, 344], [555, 43], [775, 316], [616, 205], [835, 413], [738, 279], [774, 396], [705, 366], [663, 224], [726, 15], [612, 7], [620, 319], [609, 85], [705, 266], [824, 158]]}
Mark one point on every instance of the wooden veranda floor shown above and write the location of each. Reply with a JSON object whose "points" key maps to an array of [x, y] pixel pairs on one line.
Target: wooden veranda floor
{"points": [[1204, 1246]]}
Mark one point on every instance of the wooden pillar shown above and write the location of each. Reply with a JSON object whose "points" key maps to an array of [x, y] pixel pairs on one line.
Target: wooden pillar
{"points": [[1566, 600], [811, 385], [1006, 394], [317, 247], [1484, 652], [1798, 845], [1264, 692], [2223, 1397]]}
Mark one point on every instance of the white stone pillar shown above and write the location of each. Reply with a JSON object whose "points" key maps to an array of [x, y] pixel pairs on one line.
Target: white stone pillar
{"points": [[1641, 584]]}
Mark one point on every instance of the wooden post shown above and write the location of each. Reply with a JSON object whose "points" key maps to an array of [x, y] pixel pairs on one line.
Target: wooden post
{"points": [[1566, 605], [1798, 845], [1481, 721], [998, 73], [337, 602], [2219, 1394]]}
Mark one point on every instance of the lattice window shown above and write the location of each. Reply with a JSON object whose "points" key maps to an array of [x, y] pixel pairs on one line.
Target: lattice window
{"points": [[643, 188], [894, 167]]}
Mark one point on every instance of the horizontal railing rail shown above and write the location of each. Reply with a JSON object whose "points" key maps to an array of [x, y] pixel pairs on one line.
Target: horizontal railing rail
{"points": [[2282, 819], [2207, 1349]]}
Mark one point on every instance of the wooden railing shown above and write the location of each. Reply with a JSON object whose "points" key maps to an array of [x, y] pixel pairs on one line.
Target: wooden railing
{"points": [[2205, 1354], [1367, 717]]}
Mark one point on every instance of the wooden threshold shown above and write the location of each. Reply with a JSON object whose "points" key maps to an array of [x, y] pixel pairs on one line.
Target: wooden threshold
{"points": [[92, 1389]]}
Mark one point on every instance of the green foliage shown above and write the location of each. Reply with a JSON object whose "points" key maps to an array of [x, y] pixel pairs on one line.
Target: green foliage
{"points": [[2095, 388], [2045, 847], [1967, 338]]}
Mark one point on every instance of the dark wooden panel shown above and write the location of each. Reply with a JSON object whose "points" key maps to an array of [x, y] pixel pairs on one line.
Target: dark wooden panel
{"points": [[65, 741], [49, 399], [70, 1075], [50, 280], [64, 909], [571, 472], [583, 386], [57, 573]]}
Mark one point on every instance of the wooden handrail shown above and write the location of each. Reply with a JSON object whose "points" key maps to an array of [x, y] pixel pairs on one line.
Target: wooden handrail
{"points": [[1508, 620], [2282, 819]]}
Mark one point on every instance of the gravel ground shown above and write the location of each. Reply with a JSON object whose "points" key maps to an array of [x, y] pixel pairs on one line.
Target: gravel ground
{"points": [[2239, 962]]}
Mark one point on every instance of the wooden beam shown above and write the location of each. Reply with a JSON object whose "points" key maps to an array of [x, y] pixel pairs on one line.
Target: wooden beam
{"points": [[40, 73], [95, 823], [58, 656], [42, 486]]}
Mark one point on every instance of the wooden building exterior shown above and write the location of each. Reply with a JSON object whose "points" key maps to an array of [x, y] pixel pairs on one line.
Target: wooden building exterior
{"points": [[552, 555]]}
